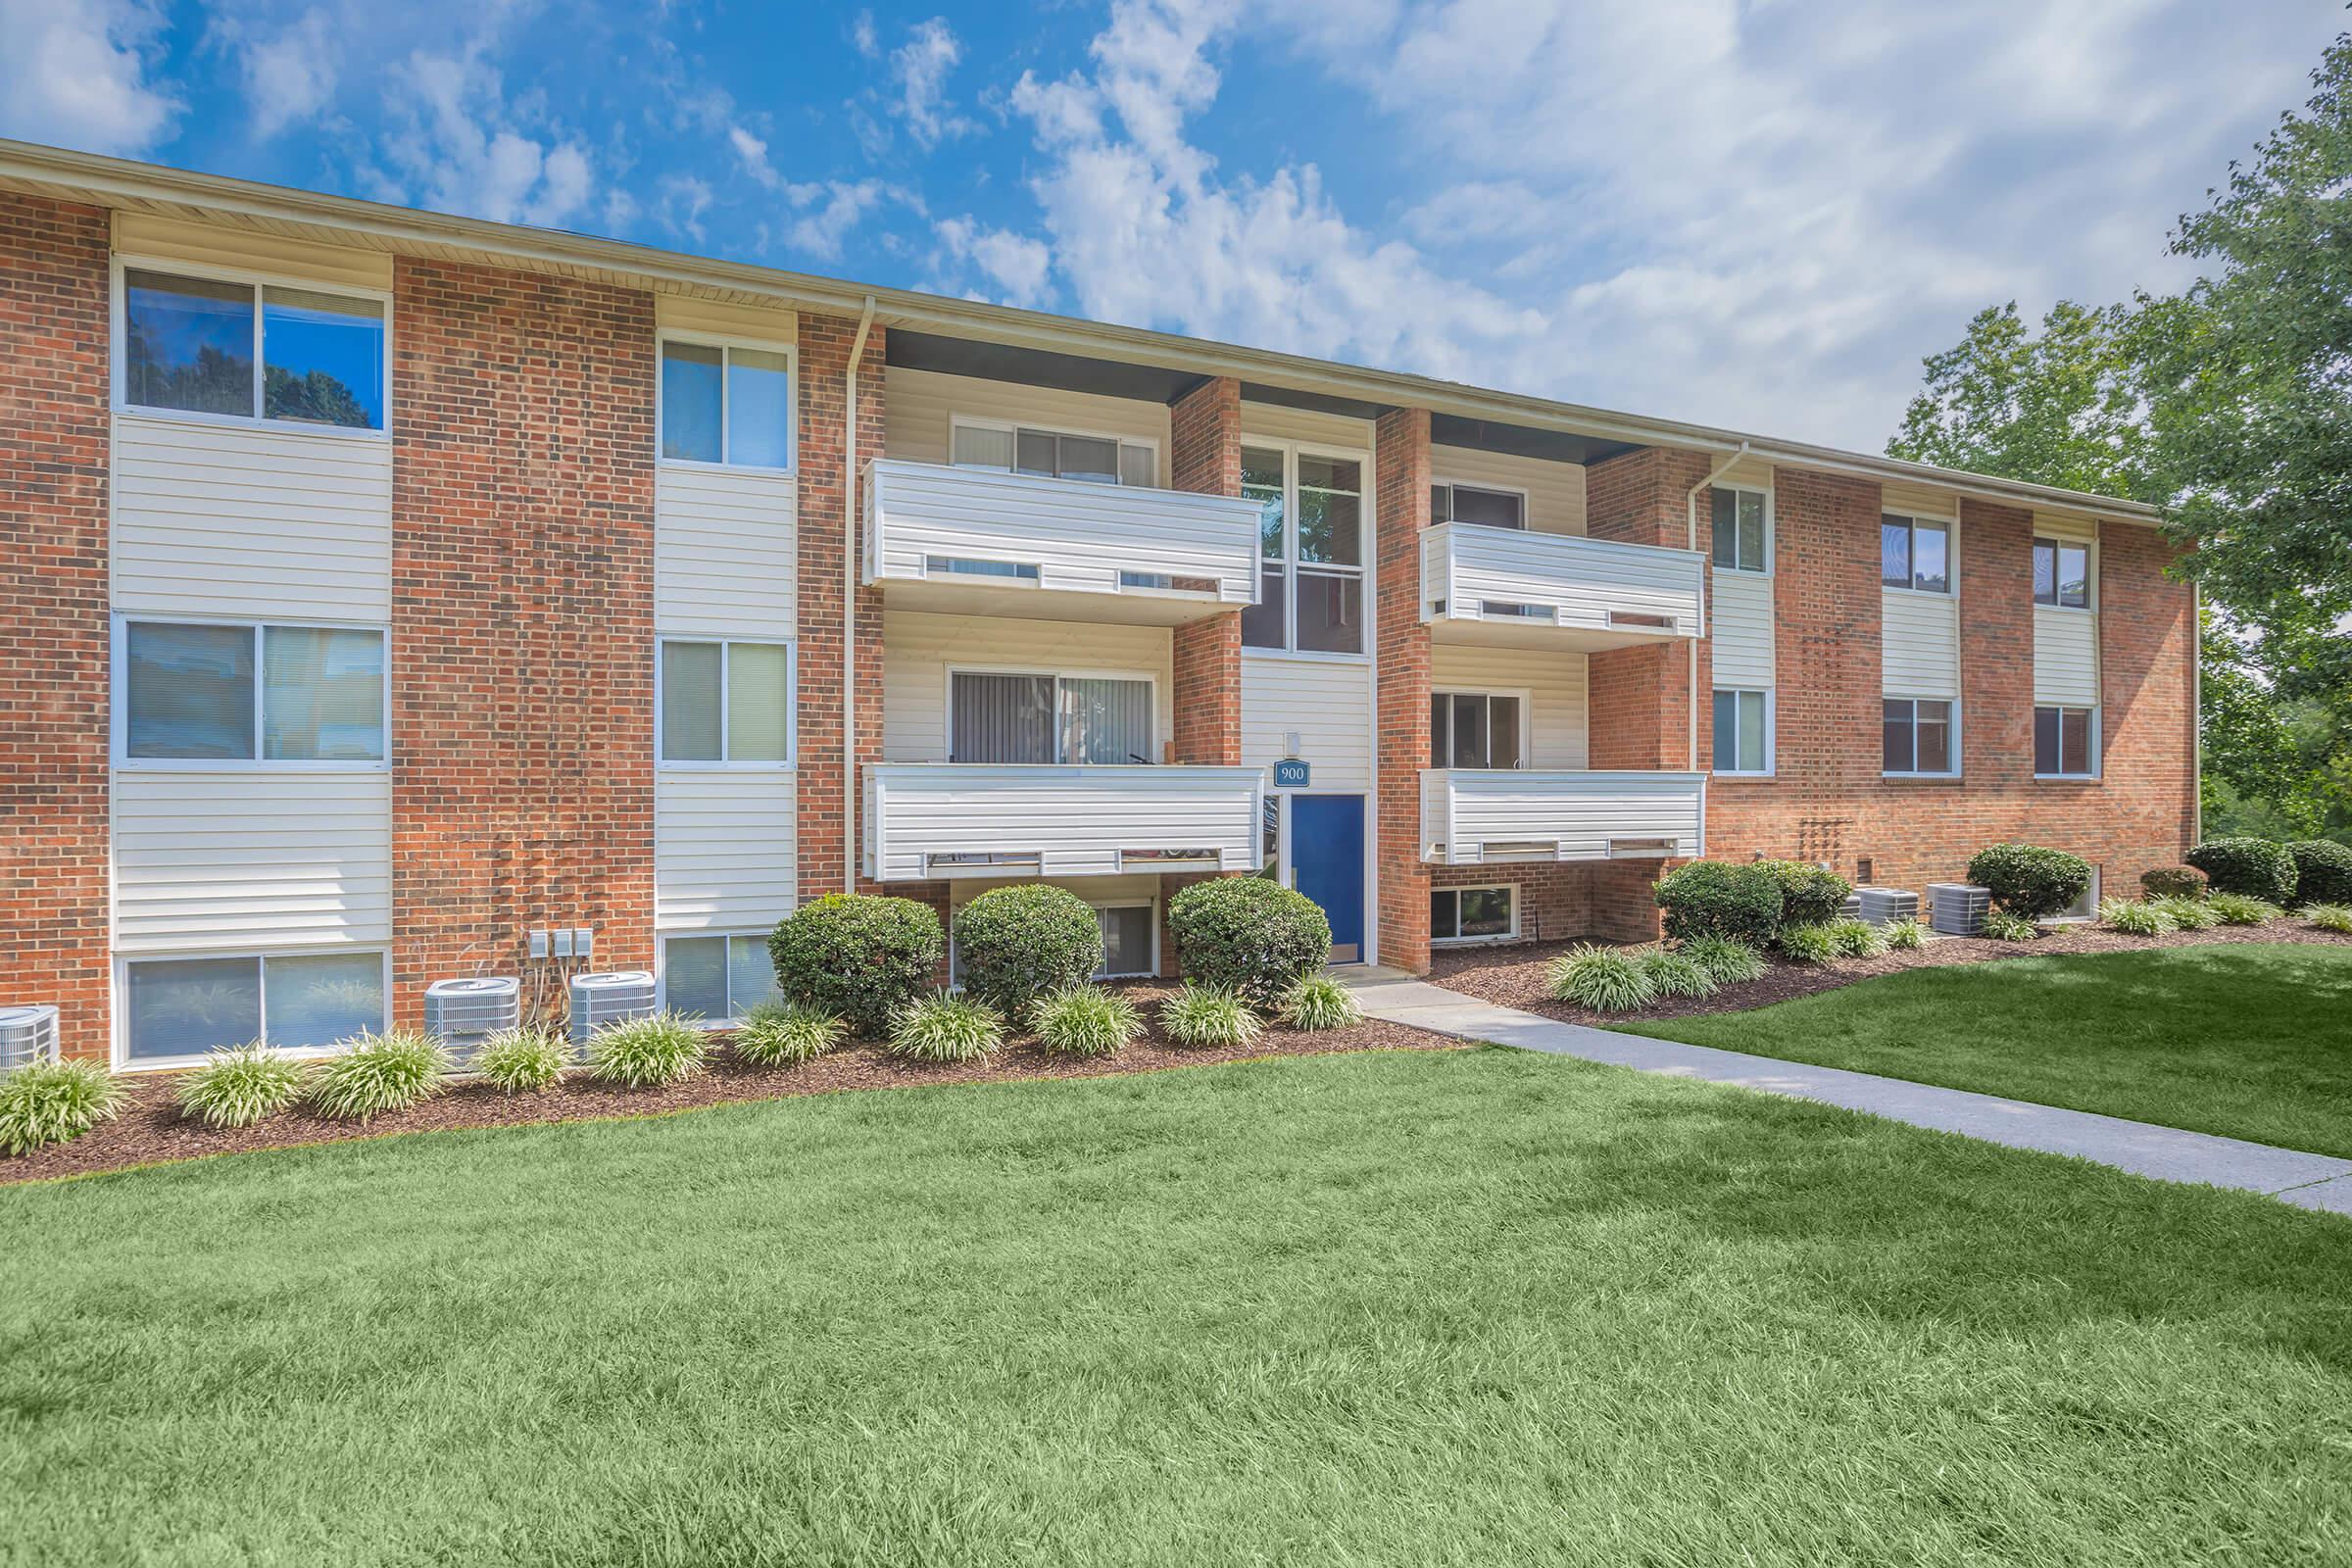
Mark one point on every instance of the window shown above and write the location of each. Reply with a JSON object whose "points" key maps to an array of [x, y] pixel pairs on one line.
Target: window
{"points": [[1473, 915], [726, 403], [726, 702], [1743, 732], [1129, 931], [205, 692], [1915, 552], [1033, 718], [1467, 503], [181, 1007], [717, 978], [1055, 454], [2086, 907], [2062, 574], [2066, 742], [1473, 729], [1310, 551], [191, 344], [1919, 736], [1740, 531]]}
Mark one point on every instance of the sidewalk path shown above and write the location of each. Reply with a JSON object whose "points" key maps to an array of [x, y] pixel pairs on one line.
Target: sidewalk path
{"points": [[2312, 1180]]}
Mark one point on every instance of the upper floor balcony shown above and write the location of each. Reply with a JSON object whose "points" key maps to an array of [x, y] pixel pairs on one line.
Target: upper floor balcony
{"points": [[985, 542], [935, 822], [1482, 584], [1486, 816]]}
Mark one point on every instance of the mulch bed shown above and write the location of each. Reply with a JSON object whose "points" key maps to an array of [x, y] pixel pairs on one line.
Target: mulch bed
{"points": [[150, 1127], [1513, 976]]}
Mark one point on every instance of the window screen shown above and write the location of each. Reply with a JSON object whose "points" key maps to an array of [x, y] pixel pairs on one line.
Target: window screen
{"points": [[1126, 939], [189, 691], [323, 695], [690, 676]]}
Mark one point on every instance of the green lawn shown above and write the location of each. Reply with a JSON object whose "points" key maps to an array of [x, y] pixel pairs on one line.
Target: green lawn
{"points": [[2251, 1042], [1416, 1308]]}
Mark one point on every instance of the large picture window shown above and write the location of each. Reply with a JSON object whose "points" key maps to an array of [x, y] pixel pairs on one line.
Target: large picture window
{"points": [[726, 702], [1743, 732], [1743, 530], [2062, 574], [1915, 554], [256, 351], [1310, 551], [2066, 742], [181, 1007], [1009, 716], [726, 403], [201, 692], [1473, 729], [1918, 736]]}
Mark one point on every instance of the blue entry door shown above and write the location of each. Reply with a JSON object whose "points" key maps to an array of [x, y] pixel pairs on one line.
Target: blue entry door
{"points": [[1327, 864]]}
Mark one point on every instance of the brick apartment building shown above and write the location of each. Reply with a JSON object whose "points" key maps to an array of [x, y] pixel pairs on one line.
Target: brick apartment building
{"points": [[382, 588]]}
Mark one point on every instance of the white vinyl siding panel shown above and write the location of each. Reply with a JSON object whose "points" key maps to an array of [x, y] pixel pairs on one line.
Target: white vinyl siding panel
{"points": [[1271, 421], [918, 649], [2065, 525], [726, 855], [922, 405], [1921, 645], [1584, 582], [246, 250], [1919, 501], [1328, 702], [1742, 625], [2066, 656], [1074, 820], [725, 553], [251, 861], [1556, 815], [250, 521], [1555, 684], [1555, 491], [705, 317]]}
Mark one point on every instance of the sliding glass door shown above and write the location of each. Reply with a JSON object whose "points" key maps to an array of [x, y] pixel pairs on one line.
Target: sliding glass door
{"points": [[998, 717]]}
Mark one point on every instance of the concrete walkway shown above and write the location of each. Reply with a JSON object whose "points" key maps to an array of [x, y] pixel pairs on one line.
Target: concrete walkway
{"points": [[2311, 1181]]}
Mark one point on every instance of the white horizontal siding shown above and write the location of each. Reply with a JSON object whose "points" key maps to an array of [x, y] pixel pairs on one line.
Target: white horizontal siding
{"points": [[1573, 815], [249, 250], [1585, 582], [2065, 525], [1555, 491], [1921, 638], [1271, 421], [725, 553], [922, 405], [2066, 656], [251, 860], [1328, 702], [708, 318], [726, 855], [1919, 501], [918, 649], [251, 520], [1555, 684], [1076, 820], [1743, 626]]}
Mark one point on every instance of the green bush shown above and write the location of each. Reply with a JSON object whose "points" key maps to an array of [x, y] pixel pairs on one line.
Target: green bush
{"points": [[2029, 880], [1603, 979], [1809, 895], [1204, 1017], [522, 1061], [2134, 918], [780, 1034], [2255, 867], [1674, 973], [1727, 963], [1906, 935], [376, 1073], [1808, 944], [1012, 945], [860, 957], [1245, 935], [1086, 1021], [2236, 908], [946, 1027], [2173, 882], [648, 1052], [2007, 926], [1857, 938], [1321, 1001], [1716, 899], [2335, 917], [238, 1087], [2189, 914], [2323, 872], [54, 1103]]}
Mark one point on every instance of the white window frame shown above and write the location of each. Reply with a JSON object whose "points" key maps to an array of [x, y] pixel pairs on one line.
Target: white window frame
{"points": [[1918, 772], [122, 1059], [726, 933], [1014, 427], [1512, 935], [729, 342], [1527, 717], [2096, 740], [1772, 541], [1527, 520], [1772, 738], [948, 706], [2090, 572], [1366, 545], [119, 704], [119, 354], [1951, 557], [726, 674]]}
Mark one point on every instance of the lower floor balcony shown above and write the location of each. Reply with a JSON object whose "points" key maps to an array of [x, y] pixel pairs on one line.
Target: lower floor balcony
{"points": [[1486, 816], [939, 821]]}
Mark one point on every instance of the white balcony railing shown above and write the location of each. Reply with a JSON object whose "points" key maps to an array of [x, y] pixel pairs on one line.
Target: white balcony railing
{"points": [[933, 821], [977, 538], [1475, 817], [1514, 584]]}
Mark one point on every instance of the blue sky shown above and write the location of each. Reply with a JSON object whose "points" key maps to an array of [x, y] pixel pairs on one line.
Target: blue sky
{"points": [[1755, 213]]}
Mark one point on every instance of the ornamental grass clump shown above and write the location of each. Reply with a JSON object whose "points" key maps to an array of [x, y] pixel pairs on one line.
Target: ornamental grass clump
{"points": [[522, 1061], [1808, 944], [2189, 914], [946, 1027], [238, 1087], [1672, 972], [1907, 935], [55, 1102], [784, 1034], [2336, 917], [1727, 963], [1857, 938], [1320, 1002], [1602, 979], [2005, 925], [1085, 1021], [377, 1073], [2236, 908], [648, 1052], [2134, 918], [1204, 1018]]}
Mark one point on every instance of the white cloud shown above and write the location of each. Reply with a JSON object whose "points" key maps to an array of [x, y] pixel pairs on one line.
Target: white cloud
{"points": [[919, 69], [829, 210], [752, 152], [289, 77], [463, 147], [1018, 264], [75, 71], [683, 200], [862, 34]]}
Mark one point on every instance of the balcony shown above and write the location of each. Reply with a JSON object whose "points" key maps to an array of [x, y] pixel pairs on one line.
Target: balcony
{"points": [[1551, 590], [933, 821], [1482, 816], [981, 542]]}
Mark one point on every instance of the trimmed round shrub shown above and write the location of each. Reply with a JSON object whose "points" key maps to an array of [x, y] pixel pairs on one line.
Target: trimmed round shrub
{"points": [[1809, 895], [2336, 917], [780, 1034], [1906, 935], [2255, 867], [1808, 944], [55, 1102], [946, 1027], [1245, 935], [1204, 1017], [1012, 945], [2323, 872], [377, 1073], [238, 1087], [1727, 963], [2030, 881], [522, 1061], [2006, 925], [648, 1052], [1086, 1021], [2236, 908], [1603, 979], [861, 956], [1716, 898], [1857, 938], [2190, 914], [2134, 918], [1321, 1001], [2173, 882], [1675, 974]]}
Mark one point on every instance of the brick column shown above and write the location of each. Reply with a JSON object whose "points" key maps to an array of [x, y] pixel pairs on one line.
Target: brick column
{"points": [[1204, 452], [522, 624], [53, 614], [1400, 477], [1638, 699], [2147, 704]]}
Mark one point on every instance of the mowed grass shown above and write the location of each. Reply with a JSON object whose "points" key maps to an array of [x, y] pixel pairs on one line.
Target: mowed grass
{"points": [[1422, 1309], [2250, 1041]]}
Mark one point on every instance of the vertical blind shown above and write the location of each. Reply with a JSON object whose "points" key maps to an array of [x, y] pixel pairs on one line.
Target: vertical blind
{"points": [[1044, 719]]}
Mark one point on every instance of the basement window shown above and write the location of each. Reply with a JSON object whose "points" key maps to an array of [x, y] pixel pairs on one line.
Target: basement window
{"points": [[717, 979], [180, 1009], [1473, 915]]}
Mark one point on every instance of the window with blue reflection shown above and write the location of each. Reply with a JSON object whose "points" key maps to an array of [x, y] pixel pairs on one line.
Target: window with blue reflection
{"points": [[188, 343], [323, 359]]}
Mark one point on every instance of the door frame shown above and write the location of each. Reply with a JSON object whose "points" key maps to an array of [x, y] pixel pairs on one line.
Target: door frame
{"points": [[1368, 895]]}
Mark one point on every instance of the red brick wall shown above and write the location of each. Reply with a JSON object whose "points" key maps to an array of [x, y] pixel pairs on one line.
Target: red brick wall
{"points": [[522, 659], [1638, 696], [53, 614], [1401, 474], [1205, 457]]}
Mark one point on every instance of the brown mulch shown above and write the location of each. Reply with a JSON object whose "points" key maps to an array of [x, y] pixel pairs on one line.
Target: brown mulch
{"points": [[149, 1128], [1513, 976]]}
